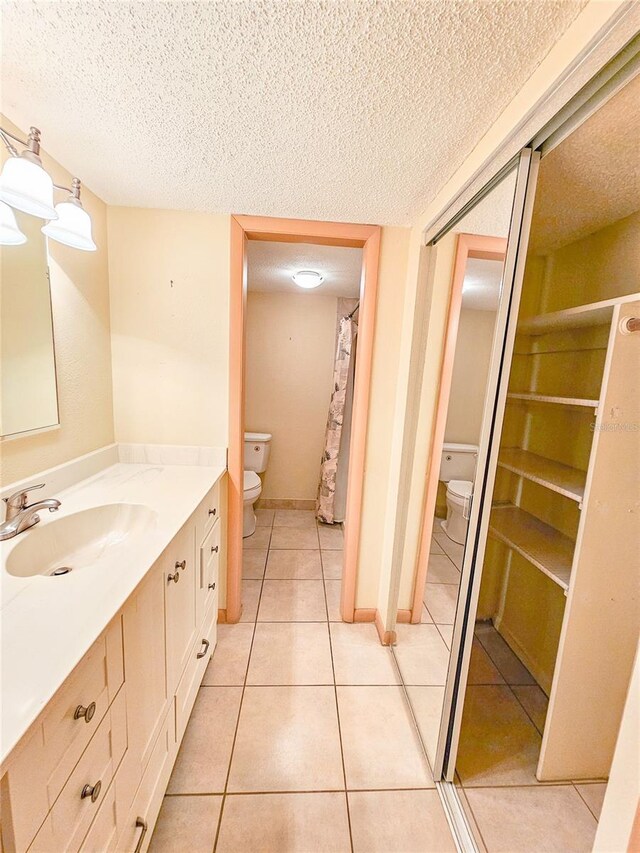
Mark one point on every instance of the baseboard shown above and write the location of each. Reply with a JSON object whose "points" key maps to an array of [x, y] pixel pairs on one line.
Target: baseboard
{"points": [[543, 678], [404, 616], [387, 638], [273, 503], [222, 616]]}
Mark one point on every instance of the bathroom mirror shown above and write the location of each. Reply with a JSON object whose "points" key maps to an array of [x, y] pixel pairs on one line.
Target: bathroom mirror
{"points": [[29, 399]]}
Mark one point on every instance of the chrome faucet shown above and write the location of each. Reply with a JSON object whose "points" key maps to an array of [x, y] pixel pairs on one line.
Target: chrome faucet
{"points": [[21, 515]]}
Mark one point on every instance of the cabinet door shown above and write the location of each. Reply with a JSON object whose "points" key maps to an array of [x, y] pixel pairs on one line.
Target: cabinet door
{"points": [[145, 671], [180, 595], [209, 559]]}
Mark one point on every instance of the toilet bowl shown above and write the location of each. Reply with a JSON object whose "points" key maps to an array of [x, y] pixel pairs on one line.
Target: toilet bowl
{"points": [[458, 502], [257, 447]]}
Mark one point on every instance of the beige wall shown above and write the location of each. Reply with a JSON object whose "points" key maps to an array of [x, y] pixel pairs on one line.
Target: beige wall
{"points": [[80, 302], [170, 325], [290, 343], [469, 379]]}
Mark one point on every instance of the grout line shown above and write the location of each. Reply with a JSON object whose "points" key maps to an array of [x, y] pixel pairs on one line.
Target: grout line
{"points": [[585, 802], [299, 791]]}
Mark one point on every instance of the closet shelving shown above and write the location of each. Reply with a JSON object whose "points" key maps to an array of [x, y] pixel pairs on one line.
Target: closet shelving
{"points": [[549, 398], [556, 476], [590, 314]]}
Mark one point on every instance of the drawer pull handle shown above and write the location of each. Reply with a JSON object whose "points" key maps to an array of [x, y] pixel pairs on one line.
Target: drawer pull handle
{"points": [[87, 712], [92, 791], [215, 549], [212, 511], [141, 822], [205, 650], [181, 564], [175, 578], [212, 586]]}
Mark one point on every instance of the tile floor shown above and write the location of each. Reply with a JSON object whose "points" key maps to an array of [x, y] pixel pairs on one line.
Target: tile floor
{"points": [[300, 739]]}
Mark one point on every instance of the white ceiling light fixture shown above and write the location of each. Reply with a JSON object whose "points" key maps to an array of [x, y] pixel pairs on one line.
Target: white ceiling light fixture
{"points": [[308, 279], [26, 186], [10, 234]]}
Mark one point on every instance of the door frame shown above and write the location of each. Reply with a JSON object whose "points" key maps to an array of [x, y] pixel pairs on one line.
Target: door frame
{"points": [[467, 246], [265, 228]]}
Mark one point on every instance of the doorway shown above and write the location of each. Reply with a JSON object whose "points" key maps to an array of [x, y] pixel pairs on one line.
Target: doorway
{"points": [[246, 230]]}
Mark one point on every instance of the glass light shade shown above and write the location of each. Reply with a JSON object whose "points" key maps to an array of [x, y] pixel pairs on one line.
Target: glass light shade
{"points": [[308, 279], [26, 186], [10, 234], [72, 227]]}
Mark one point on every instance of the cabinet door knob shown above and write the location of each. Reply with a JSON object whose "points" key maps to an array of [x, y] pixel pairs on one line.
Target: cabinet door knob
{"points": [[175, 577], [181, 564], [141, 822], [215, 549], [205, 649], [212, 586], [212, 511], [92, 791], [87, 712]]}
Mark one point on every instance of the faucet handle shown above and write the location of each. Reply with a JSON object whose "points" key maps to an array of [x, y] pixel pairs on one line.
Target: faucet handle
{"points": [[18, 500]]}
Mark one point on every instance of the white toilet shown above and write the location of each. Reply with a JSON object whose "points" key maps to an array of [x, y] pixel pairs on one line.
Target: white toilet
{"points": [[457, 470], [257, 447]]}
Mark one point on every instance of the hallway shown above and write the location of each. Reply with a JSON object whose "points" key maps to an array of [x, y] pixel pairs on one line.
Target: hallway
{"points": [[300, 739]]}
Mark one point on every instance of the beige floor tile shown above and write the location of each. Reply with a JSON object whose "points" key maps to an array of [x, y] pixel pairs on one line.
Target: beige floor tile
{"points": [[259, 539], [186, 823], [332, 562], [426, 618], [203, 760], [427, 708], [287, 740], [292, 601], [284, 823], [250, 598], [358, 657], [264, 517], [451, 549], [294, 565], [549, 818], [499, 745], [406, 821], [334, 591], [440, 569], [331, 537], [535, 703], [435, 547], [446, 632], [593, 795], [291, 653], [295, 518], [380, 744], [511, 668], [441, 600], [295, 537], [253, 562], [481, 667], [229, 663], [422, 655]]}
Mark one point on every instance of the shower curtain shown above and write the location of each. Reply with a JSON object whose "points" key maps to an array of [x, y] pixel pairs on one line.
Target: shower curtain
{"points": [[332, 491]]}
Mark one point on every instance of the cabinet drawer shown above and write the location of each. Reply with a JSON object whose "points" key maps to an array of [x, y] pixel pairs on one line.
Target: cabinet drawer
{"points": [[103, 834], [143, 813], [74, 715], [84, 792], [194, 672], [209, 570], [207, 513]]}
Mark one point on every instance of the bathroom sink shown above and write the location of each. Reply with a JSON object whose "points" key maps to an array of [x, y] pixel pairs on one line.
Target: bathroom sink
{"points": [[79, 540]]}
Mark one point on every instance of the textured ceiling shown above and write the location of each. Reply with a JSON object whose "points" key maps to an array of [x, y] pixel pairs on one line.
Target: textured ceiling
{"points": [[327, 109], [271, 265], [481, 284], [592, 178]]}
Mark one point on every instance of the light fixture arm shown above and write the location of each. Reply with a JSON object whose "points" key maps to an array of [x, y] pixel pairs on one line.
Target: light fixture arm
{"points": [[31, 144], [73, 190]]}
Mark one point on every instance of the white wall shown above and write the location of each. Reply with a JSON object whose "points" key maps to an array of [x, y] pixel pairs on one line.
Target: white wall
{"points": [[290, 348]]}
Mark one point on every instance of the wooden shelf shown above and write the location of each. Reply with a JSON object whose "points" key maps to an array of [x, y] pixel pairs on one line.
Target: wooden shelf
{"points": [[592, 314], [548, 398], [539, 543], [559, 478]]}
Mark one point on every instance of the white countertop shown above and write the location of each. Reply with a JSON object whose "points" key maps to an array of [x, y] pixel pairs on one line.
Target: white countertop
{"points": [[48, 624]]}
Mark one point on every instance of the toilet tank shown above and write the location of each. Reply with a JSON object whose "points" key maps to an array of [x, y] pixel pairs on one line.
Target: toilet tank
{"points": [[458, 462], [257, 446]]}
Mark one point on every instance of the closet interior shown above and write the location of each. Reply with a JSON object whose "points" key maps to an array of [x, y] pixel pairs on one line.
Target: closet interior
{"points": [[561, 567]]}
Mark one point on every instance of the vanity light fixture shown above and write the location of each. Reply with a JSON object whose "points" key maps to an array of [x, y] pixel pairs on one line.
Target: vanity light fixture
{"points": [[10, 234], [308, 279], [26, 186]]}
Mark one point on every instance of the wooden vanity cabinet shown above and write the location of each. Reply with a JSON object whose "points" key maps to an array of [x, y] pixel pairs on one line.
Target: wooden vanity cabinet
{"points": [[139, 681]]}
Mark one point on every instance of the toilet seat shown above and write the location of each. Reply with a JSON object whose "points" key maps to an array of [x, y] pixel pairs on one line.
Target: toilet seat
{"points": [[459, 488], [252, 485]]}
